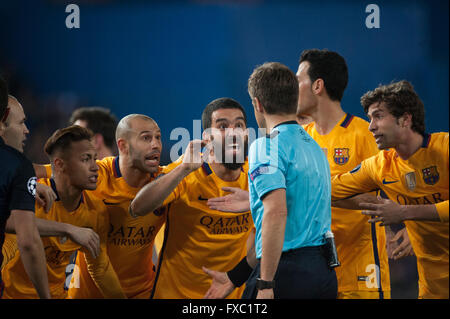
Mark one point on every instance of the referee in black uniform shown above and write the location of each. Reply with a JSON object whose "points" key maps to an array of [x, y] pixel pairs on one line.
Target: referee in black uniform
{"points": [[17, 188]]}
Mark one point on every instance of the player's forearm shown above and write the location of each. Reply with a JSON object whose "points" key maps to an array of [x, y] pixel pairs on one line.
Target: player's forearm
{"points": [[104, 276], [421, 212], [354, 201], [272, 233], [33, 259], [46, 228], [152, 195]]}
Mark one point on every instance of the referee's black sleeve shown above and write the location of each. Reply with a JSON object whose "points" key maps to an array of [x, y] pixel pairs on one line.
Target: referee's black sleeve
{"points": [[23, 187]]}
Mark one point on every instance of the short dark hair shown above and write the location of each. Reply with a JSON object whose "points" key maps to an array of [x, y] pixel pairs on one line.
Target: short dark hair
{"points": [[399, 98], [217, 104], [276, 88], [3, 97], [63, 138], [99, 120], [330, 67]]}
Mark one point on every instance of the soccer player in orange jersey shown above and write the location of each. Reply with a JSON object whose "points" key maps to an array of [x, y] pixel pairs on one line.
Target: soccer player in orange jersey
{"points": [[412, 168], [130, 241], [346, 141], [196, 235], [75, 171]]}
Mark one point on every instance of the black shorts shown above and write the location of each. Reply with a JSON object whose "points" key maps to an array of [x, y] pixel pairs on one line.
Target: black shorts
{"points": [[302, 273]]}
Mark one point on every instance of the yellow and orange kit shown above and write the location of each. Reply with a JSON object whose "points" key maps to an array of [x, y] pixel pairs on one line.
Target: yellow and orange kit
{"points": [[421, 180]]}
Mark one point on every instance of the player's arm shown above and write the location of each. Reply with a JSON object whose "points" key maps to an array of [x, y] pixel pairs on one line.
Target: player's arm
{"points": [[153, 195], [49, 228], [101, 269], [389, 212], [31, 251], [353, 202], [350, 189]]}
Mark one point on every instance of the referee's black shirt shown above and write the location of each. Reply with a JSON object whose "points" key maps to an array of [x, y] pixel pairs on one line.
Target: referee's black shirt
{"points": [[17, 186]]}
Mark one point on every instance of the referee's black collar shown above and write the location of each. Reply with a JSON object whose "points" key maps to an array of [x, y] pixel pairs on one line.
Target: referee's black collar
{"points": [[286, 122]]}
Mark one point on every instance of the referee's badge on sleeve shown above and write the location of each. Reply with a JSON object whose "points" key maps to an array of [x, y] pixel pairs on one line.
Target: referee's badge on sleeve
{"points": [[31, 185], [263, 169]]}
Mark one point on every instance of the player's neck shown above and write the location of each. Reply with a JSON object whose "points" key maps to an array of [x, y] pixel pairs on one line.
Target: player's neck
{"points": [[409, 145], [273, 120], [327, 116], [133, 176], [225, 174], [69, 195]]}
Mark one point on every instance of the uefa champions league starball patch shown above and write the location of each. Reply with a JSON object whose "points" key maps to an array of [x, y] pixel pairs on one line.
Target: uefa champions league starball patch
{"points": [[31, 185]]}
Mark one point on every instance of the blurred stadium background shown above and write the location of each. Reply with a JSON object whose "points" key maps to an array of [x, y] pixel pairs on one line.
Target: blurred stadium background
{"points": [[168, 59]]}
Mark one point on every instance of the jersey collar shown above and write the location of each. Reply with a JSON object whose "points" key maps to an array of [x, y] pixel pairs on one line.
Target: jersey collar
{"points": [[426, 140], [53, 186]]}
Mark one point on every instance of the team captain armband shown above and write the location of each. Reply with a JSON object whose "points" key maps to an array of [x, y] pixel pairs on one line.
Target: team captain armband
{"points": [[442, 210], [240, 273]]}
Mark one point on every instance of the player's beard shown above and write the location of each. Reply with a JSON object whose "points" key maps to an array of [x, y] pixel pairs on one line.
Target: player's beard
{"points": [[137, 161]]}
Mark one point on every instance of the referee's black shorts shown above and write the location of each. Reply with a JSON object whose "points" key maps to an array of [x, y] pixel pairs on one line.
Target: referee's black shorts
{"points": [[302, 273]]}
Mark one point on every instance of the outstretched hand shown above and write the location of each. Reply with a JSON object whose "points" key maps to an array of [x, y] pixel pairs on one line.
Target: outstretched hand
{"points": [[236, 202], [387, 212], [221, 285]]}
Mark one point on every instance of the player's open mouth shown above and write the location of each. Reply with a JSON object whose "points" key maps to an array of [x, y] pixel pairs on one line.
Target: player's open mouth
{"points": [[378, 137], [93, 178], [152, 160]]}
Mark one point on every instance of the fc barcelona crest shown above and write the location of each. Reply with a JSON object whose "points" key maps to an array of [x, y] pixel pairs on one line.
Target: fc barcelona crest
{"points": [[341, 156], [430, 175]]}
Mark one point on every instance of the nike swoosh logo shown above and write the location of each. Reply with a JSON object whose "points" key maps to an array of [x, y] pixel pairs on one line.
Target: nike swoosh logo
{"points": [[388, 182], [108, 203], [201, 198]]}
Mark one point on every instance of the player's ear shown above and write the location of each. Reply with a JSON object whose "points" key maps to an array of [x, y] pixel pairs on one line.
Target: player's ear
{"points": [[122, 145], [58, 164], [405, 120], [318, 86], [258, 106]]}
